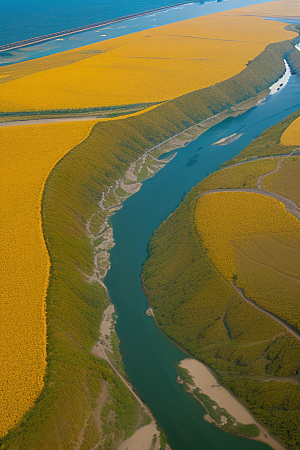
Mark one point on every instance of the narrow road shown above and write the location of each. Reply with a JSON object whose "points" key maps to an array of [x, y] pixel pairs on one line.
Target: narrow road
{"points": [[17, 123], [51, 36], [287, 327], [99, 350], [14, 123], [290, 206], [276, 170]]}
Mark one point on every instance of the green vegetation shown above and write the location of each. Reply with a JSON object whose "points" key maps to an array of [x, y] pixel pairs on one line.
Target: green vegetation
{"points": [[294, 60], [272, 409], [229, 423], [106, 111], [115, 357], [185, 375], [285, 182], [120, 192], [70, 405], [98, 241], [266, 144], [241, 176], [162, 439], [251, 354]]}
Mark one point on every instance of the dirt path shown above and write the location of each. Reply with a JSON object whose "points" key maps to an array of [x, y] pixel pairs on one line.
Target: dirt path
{"points": [[98, 350], [276, 170], [205, 124], [287, 327], [290, 206], [17, 123]]}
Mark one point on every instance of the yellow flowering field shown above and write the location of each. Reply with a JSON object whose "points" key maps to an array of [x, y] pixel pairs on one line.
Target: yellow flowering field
{"points": [[269, 272], [253, 241], [153, 65], [291, 135], [279, 8], [224, 218], [242, 176], [19, 70], [28, 153], [286, 181]]}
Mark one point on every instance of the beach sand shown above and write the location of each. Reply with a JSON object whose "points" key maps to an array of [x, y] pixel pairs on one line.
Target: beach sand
{"points": [[208, 384], [142, 439]]}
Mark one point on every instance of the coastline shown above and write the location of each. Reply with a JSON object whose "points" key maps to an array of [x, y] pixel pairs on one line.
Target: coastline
{"points": [[58, 34], [207, 382]]}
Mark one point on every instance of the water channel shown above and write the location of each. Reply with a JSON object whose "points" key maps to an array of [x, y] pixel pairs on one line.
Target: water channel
{"points": [[148, 355], [103, 33]]}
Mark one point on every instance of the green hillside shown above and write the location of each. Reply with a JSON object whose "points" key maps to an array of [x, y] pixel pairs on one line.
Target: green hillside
{"points": [[252, 354], [66, 411]]}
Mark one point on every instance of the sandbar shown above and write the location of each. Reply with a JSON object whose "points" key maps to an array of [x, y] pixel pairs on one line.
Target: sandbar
{"points": [[205, 380], [142, 439]]}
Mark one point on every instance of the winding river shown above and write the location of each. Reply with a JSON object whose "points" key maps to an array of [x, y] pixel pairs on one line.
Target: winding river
{"points": [[148, 355]]}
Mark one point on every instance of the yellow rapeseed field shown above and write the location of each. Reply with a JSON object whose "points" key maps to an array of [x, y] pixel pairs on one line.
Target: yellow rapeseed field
{"points": [[224, 218], [254, 242], [153, 65], [269, 272], [242, 176], [28, 154], [286, 181], [291, 135], [279, 8]]}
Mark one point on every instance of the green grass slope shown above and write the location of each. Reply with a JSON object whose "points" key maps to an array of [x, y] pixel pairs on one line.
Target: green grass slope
{"points": [[252, 354], [69, 409], [267, 144]]}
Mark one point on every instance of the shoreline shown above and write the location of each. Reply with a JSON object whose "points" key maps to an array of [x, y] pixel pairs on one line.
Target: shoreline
{"points": [[131, 183], [58, 34], [206, 381], [147, 436], [144, 436]]}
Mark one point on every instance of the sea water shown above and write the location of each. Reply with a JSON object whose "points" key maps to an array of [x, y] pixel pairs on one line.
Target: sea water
{"points": [[20, 20]]}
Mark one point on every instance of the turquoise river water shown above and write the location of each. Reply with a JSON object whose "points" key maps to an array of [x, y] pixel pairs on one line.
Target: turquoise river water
{"points": [[149, 356]]}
